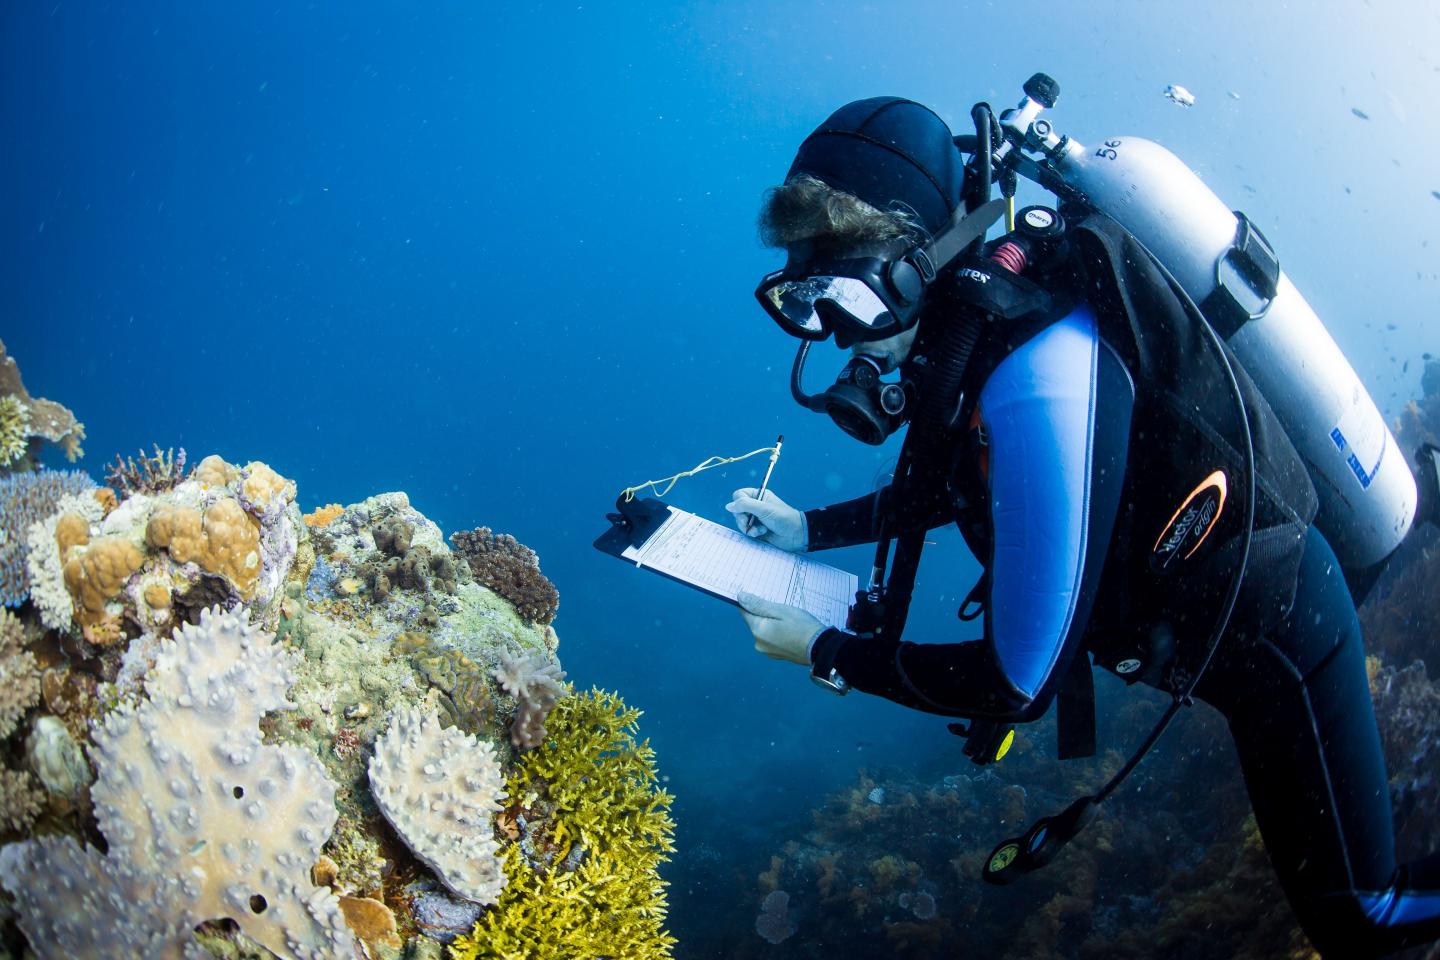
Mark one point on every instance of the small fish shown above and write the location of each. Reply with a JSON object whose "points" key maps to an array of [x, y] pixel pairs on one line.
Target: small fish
{"points": [[1435, 194], [1360, 113], [1405, 368], [1234, 95], [1177, 94], [1426, 356]]}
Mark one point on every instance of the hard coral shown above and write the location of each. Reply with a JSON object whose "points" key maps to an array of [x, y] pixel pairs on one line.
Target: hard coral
{"points": [[14, 430], [511, 569], [21, 800], [26, 499], [47, 420], [148, 474], [96, 572], [584, 880], [19, 674], [224, 540], [439, 788], [202, 819]]}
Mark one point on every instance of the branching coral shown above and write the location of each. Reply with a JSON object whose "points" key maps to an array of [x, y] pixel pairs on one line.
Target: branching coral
{"points": [[19, 674], [511, 569], [536, 684], [147, 474], [14, 430], [46, 418], [440, 789], [584, 880], [202, 819], [26, 498]]}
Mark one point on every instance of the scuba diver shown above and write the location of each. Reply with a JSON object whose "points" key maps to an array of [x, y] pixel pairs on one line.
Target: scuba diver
{"points": [[1121, 456]]}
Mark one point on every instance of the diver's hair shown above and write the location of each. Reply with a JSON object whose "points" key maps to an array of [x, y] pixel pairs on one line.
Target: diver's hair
{"points": [[805, 208]]}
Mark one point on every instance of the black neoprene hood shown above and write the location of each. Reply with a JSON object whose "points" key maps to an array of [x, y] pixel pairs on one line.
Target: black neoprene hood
{"points": [[887, 151]]}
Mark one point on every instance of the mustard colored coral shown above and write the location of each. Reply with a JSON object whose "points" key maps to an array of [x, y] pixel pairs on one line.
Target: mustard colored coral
{"points": [[599, 826], [96, 572], [224, 540]]}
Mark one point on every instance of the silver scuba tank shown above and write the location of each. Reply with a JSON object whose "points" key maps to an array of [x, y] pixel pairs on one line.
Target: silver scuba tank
{"points": [[1366, 490]]}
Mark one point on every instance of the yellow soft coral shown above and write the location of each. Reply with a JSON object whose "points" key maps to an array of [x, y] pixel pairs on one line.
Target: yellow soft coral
{"points": [[224, 540], [596, 809], [95, 572]]}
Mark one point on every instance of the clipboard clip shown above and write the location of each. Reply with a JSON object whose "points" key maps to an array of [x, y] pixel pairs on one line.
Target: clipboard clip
{"points": [[638, 519]]}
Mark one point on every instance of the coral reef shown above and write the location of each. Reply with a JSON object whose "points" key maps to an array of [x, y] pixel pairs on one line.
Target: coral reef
{"points": [[41, 420], [201, 823], [511, 569], [25, 499], [160, 473], [537, 685], [440, 788], [593, 828], [231, 784]]}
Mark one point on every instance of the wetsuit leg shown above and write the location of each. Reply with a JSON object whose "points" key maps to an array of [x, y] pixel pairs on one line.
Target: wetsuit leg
{"points": [[1298, 705]]}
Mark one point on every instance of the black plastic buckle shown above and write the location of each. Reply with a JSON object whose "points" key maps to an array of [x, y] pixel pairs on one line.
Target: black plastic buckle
{"points": [[1254, 263]]}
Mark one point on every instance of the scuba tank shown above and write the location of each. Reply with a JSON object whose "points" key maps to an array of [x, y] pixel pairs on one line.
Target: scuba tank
{"points": [[1366, 491]]}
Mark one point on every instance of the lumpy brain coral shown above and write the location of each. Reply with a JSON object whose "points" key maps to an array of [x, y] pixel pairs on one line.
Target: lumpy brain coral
{"points": [[202, 818]]}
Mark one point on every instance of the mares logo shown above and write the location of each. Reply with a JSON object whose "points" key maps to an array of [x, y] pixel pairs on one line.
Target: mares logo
{"points": [[1191, 524]]}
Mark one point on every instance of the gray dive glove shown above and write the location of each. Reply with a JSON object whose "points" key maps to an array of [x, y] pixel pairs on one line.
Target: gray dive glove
{"points": [[772, 519]]}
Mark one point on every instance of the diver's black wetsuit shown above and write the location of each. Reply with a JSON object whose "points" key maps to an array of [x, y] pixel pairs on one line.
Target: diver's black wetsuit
{"points": [[1073, 494]]}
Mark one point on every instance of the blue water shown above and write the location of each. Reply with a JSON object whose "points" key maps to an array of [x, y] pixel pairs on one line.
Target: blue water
{"points": [[501, 257]]}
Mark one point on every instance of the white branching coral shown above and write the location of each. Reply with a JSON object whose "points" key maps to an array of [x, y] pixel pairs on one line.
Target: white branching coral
{"points": [[537, 685], [19, 674], [203, 820], [440, 789]]}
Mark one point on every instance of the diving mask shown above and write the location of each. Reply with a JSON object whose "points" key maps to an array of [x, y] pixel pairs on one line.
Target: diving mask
{"points": [[867, 297]]}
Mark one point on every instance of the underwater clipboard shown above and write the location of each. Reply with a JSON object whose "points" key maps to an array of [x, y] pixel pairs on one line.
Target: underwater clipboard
{"points": [[722, 562]]}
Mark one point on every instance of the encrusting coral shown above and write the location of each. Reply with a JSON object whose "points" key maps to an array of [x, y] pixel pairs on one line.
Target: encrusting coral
{"points": [[537, 685], [42, 419], [511, 569], [440, 789], [593, 827], [202, 819], [25, 499]]}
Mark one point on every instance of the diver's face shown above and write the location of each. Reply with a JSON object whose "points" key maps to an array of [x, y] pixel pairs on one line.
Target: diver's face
{"points": [[890, 352]]}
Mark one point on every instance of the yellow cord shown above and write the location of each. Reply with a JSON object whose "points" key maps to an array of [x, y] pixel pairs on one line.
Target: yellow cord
{"points": [[1009, 214], [629, 492]]}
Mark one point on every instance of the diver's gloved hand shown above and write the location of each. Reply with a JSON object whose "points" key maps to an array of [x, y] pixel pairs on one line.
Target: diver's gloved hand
{"points": [[781, 631], [775, 521]]}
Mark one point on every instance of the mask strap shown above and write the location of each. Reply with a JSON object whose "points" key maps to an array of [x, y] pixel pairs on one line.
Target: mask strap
{"points": [[962, 230]]}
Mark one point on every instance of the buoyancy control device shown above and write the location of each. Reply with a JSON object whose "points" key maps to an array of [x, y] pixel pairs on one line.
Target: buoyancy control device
{"points": [[1366, 491]]}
